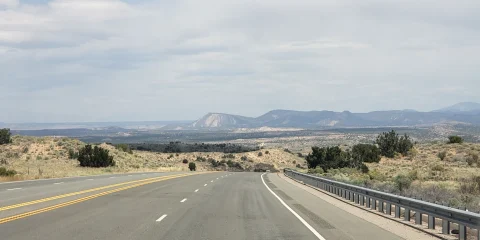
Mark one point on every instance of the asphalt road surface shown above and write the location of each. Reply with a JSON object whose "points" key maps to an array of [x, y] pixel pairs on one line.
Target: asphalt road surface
{"points": [[219, 205]]}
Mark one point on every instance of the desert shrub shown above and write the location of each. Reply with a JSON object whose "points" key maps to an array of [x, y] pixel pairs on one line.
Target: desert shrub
{"points": [[364, 168], [124, 148], [455, 139], [25, 150], [3, 161], [192, 166], [201, 159], [72, 154], [413, 175], [5, 136], [402, 182], [7, 173], [376, 175], [263, 167], [438, 168], [39, 157], [244, 158], [94, 157], [300, 155], [267, 152], [177, 154], [390, 143], [317, 170], [169, 157], [329, 157], [294, 162], [299, 166], [442, 155], [387, 142], [287, 150], [185, 161], [470, 186], [231, 156], [260, 154], [458, 158], [365, 153]]}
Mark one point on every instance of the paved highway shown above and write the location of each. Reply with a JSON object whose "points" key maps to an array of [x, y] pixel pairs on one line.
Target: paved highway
{"points": [[219, 205]]}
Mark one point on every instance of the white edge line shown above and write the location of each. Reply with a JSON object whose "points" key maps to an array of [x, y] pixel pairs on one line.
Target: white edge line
{"points": [[196, 190], [183, 200], [205, 185], [211, 181], [162, 217], [58, 183], [13, 189], [293, 212], [90, 179]]}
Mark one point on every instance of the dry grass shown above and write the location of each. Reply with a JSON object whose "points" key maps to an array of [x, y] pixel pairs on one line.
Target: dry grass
{"points": [[47, 157]]}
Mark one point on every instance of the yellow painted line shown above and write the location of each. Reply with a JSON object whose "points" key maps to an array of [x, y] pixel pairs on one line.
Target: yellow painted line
{"points": [[78, 193], [46, 209]]}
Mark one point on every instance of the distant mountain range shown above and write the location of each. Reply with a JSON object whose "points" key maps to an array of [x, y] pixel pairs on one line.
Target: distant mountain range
{"points": [[467, 112]]}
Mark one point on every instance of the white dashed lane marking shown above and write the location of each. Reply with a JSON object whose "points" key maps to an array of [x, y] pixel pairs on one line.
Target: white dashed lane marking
{"points": [[183, 200], [162, 217]]}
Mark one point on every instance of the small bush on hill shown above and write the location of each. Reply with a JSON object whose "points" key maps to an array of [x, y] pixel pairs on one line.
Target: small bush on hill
{"points": [[94, 157], [267, 152], [402, 182], [228, 156], [390, 143], [7, 173], [5, 136], [244, 158], [124, 147], [201, 159], [317, 170], [455, 139], [72, 154], [260, 154], [192, 166], [185, 161], [442, 155]]}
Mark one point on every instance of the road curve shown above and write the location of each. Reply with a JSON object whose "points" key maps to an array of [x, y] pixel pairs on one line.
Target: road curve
{"points": [[218, 205]]}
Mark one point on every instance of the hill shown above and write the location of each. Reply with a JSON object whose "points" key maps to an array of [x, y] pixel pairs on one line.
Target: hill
{"points": [[47, 157], [468, 113], [461, 108]]}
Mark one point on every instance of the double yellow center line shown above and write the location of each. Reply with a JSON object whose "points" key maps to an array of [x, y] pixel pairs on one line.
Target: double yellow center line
{"points": [[136, 183]]}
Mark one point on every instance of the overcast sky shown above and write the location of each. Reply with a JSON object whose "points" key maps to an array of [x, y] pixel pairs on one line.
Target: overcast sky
{"points": [[112, 60]]}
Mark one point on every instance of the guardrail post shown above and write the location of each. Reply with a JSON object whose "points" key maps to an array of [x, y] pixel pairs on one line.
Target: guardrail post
{"points": [[380, 206], [362, 200], [431, 222], [418, 218], [357, 198], [445, 226], [406, 216], [462, 232], [397, 211], [369, 201], [374, 204], [388, 209]]}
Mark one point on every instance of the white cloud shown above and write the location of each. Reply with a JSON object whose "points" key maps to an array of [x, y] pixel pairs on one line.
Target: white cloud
{"points": [[147, 60]]}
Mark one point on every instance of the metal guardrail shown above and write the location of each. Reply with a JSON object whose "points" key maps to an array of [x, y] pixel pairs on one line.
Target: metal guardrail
{"points": [[401, 206]]}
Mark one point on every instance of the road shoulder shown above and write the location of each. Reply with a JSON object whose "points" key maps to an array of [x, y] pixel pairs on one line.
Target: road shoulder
{"points": [[383, 223]]}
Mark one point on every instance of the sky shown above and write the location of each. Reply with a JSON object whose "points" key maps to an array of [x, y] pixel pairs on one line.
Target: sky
{"points": [[112, 60]]}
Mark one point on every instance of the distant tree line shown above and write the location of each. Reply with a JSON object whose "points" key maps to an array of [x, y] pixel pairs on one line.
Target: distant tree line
{"points": [[179, 147], [389, 143]]}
